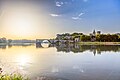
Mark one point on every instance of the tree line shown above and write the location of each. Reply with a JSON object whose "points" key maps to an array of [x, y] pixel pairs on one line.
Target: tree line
{"points": [[87, 38]]}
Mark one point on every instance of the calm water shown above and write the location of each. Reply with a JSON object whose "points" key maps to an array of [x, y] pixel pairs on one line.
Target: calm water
{"points": [[62, 62]]}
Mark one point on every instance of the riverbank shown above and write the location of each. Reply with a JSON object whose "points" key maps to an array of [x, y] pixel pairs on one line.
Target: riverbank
{"points": [[99, 43], [3, 44], [81, 43]]}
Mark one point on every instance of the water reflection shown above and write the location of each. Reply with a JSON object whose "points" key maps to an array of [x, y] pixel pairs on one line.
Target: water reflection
{"points": [[43, 45], [75, 48], [96, 49], [23, 60], [4, 46], [50, 61]]}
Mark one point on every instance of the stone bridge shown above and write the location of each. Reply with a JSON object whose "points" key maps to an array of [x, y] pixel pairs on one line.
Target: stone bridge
{"points": [[40, 41], [51, 41]]}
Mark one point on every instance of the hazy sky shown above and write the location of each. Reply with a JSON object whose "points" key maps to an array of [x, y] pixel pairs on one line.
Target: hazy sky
{"points": [[46, 18]]}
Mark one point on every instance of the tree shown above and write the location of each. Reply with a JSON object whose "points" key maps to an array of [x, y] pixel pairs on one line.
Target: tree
{"points": [[85, 38]]}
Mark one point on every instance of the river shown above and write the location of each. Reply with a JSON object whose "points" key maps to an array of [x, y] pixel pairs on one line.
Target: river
{"points": [[62, 62]]}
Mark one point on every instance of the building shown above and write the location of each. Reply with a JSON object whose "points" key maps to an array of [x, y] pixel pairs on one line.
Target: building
{"points": [[118, 34], [93, 36], [67, 38], [98, 32], [59, 36], [77, 39], [94, 33]]}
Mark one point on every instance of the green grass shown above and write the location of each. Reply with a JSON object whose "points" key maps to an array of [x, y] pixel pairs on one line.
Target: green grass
{"points": [[13, 77]]}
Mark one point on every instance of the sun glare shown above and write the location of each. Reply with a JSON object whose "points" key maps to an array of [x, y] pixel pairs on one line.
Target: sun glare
{"points": [[19, 24], [23, 60], [24, 26]]}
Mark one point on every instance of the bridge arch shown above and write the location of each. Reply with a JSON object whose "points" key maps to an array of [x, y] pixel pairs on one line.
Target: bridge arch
{"points": [[42, 43], [45, 41]]}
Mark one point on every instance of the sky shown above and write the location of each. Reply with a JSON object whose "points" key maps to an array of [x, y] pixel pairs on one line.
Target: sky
{"points": [[45, 18]]}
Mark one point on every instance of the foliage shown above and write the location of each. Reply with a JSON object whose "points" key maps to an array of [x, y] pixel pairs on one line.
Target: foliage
{"points": [[12, 77], [108, 38], [85, 38], [98, 37]]}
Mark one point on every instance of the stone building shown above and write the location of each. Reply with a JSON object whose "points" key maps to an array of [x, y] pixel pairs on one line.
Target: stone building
{"points": [[67, 38], [93, 36], [98, 32]]}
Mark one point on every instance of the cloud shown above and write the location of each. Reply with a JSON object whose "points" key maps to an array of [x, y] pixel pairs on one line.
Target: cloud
{"points": [[78, 17], [80, 14], [59, 4], [55, 15]]}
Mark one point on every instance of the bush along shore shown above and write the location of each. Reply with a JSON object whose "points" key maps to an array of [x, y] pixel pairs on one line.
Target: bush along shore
{"points": [[99, 43], [14, 76]]}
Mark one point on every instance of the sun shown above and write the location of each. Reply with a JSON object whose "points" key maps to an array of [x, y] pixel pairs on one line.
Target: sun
{"points": [[19, 24], [22, 26], [24, 23]]}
